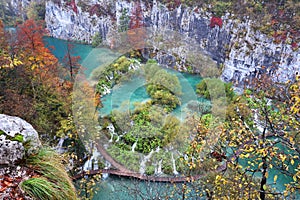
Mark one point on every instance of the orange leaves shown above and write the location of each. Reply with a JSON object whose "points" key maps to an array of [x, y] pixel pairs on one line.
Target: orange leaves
{"points": [[136, 34]]}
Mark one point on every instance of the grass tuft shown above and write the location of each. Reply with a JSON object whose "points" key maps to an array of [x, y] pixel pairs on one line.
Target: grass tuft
{"points": [[53, 183]]}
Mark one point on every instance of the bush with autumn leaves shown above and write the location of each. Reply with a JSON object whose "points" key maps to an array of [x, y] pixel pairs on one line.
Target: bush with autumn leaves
{"points": [[34, 87]]}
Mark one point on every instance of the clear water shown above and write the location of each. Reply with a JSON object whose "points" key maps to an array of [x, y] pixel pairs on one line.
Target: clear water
{"points": [[133, 91], [116, 188], [90, 58], [59, 48]]}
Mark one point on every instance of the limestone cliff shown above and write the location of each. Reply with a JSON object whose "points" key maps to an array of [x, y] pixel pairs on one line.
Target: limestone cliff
{"points": [[241, 51]]}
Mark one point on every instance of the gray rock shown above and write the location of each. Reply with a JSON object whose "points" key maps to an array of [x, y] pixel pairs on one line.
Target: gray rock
{"points": [[244, 52], [12, 149]]}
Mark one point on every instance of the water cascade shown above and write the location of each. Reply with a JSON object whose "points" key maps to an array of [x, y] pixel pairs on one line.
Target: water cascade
{"points": [[173, 164], [143, 162], [59, 147], [243, 50]]}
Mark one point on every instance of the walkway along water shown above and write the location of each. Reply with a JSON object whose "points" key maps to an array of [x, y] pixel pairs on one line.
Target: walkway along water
{"points": [[123, 171]]}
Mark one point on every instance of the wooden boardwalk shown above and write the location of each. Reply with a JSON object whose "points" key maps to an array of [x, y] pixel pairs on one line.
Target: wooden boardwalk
{"points": [[124, 172]]}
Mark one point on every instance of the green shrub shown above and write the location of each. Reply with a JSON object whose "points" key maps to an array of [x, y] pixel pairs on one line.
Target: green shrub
{"points": [[96, 40], [217, 89], [150, 170]]}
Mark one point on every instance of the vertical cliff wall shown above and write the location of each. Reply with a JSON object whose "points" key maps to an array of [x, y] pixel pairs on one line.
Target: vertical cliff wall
{"points": [[241, 51]]}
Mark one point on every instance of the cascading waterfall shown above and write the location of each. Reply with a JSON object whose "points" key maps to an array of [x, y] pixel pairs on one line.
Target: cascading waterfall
{"points": [[243, 51], [59, 147], [143, 162], [111, 129], [92, 162], [107, 166], [173, 164], [158, 167], [133, 146]]}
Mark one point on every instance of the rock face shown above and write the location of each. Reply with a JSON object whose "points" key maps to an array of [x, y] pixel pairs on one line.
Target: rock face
{"points": [[15, 8], [14, 134], [242, 51]]}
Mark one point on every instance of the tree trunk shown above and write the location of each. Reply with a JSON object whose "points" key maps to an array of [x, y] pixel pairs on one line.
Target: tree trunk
{"points": [[263, 181]]}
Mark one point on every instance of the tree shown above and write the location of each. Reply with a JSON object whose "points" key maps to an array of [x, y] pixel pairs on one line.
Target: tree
{"points": [[71, 62], [259, 144], [163, 87], [136, 33]]}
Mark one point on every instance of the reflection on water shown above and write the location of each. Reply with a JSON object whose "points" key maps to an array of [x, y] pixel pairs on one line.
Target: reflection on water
{"points": [[115, 188], [134, 90]]}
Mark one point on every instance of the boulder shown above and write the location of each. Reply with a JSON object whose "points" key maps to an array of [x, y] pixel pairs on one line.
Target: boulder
{"points": [[15, 134]]}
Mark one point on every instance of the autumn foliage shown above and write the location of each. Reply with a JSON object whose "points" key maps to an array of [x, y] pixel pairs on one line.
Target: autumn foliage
{"points": [[216, 21], [30, 78], [136, 33]]}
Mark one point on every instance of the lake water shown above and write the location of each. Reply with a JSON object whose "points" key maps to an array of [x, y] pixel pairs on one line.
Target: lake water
{"points": [[133, 91]]}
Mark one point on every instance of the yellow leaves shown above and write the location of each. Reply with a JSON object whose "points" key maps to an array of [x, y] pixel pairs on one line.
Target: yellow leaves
{"points": [[295, 178], [292, 162], [34, 66], [11, 63], [275, 178], [218, 177], [244, 155], [250, 149], [31, 58], [282, 157], [17, 62], [265, 187]]}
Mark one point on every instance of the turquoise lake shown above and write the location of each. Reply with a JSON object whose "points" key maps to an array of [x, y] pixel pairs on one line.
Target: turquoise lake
{"points": [[133, 91]]}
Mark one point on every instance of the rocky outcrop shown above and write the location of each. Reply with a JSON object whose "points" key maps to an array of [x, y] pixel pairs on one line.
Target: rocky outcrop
{"points": [[12, 9], [63, 22], [241, 51], [17, 138]]}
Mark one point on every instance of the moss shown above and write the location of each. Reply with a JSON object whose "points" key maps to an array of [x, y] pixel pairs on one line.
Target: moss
{"points": [[96, 40], [150, 170]]}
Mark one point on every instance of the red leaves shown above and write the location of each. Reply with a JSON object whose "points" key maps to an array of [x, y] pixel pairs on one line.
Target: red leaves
{"points": [[172, 4], [72, 4], [294, 45], [95, 9], [10, 184], [219, 157], [136, 33], [136, 18], [30, 35], [216, 21]]}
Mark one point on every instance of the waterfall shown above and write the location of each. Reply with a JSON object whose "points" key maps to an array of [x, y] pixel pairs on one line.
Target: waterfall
{"points": [[133, 146], [92, 162], [107, 166], [174, 165], [241, 49], [158, 168], [106, 90], [143, 163], [59, 147], [111, 129]]}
